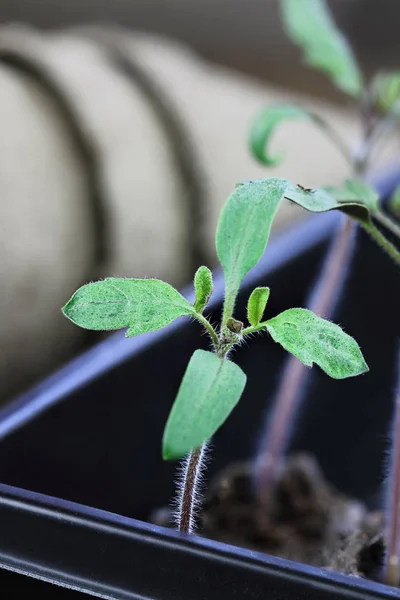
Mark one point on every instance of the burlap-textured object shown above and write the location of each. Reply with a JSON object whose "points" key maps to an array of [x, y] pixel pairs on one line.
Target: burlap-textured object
{"points": [[117, 152]]}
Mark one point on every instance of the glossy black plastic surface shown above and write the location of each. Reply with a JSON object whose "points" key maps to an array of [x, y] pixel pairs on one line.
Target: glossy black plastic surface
{"points": [[91, 434]]}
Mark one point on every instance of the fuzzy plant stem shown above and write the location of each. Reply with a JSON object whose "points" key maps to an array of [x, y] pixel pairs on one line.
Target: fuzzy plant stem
{"points": [[392, 534], [192, 466], [291, 391], [188, 499]]}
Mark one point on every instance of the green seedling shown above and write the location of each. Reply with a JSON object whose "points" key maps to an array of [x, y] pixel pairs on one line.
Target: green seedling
{"points": [[310, 26], [212, 384]]}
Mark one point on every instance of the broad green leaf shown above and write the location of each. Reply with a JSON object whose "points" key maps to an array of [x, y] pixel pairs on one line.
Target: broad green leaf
{"points": [[309, 24], [210, 389], [141, 304], [315, 340], [256, 305], [264, 126], [243, 231], [203, 284], [385, 88]]}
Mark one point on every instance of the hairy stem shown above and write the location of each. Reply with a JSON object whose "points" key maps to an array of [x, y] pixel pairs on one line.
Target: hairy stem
{"points": [[392, 534], [291, 390], [210, 329], [188, 497], [191, 470]]}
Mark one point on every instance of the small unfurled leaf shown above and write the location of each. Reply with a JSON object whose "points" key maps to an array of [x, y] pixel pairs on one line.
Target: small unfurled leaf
{"points": [[243, 230], [315, 340], [309, 24], [141, 304], [203, 284], [210, 389], [264, 126], [385, 89], [256, 305], [234, 325]]}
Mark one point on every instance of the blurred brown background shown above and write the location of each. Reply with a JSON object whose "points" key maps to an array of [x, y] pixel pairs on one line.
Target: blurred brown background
{"points": [[243, 34]]}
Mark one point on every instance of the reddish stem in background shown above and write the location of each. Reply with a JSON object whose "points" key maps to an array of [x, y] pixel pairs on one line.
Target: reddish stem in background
{"points": [[393, 510], [291, 390]]}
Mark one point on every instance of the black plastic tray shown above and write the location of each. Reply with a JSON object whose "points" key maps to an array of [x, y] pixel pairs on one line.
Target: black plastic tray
{"points": [[90, 435]]}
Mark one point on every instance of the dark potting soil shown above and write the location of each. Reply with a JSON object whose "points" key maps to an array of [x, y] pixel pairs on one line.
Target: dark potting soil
{"points": [[305, 518]]}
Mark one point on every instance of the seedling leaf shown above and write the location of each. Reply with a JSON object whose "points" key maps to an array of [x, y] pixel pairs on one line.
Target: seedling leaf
{"points": [[210, 389], [256, 305], [315, 340], [355, 190], [264, 126], [309, 24], [322, 200], [385, 88], [243, 231], [203, 284], [141, 304]]}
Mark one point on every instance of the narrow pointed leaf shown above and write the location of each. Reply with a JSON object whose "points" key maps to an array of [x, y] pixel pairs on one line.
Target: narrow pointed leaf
{"points": [[315, 340], [243, 230], [210, 389], [203, 285], [141, 304], [264, 126], [310, 25], [256, 305]]}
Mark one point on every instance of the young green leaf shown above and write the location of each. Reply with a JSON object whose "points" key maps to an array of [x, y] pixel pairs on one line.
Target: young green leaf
{"points": [[141, 304], [243, 231], [309, 24], [203, 285], [315, 340], [355, 190], [210, 389], [321, 200], [264, 126], [385, 89], [268, 119], [256, 305]]}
